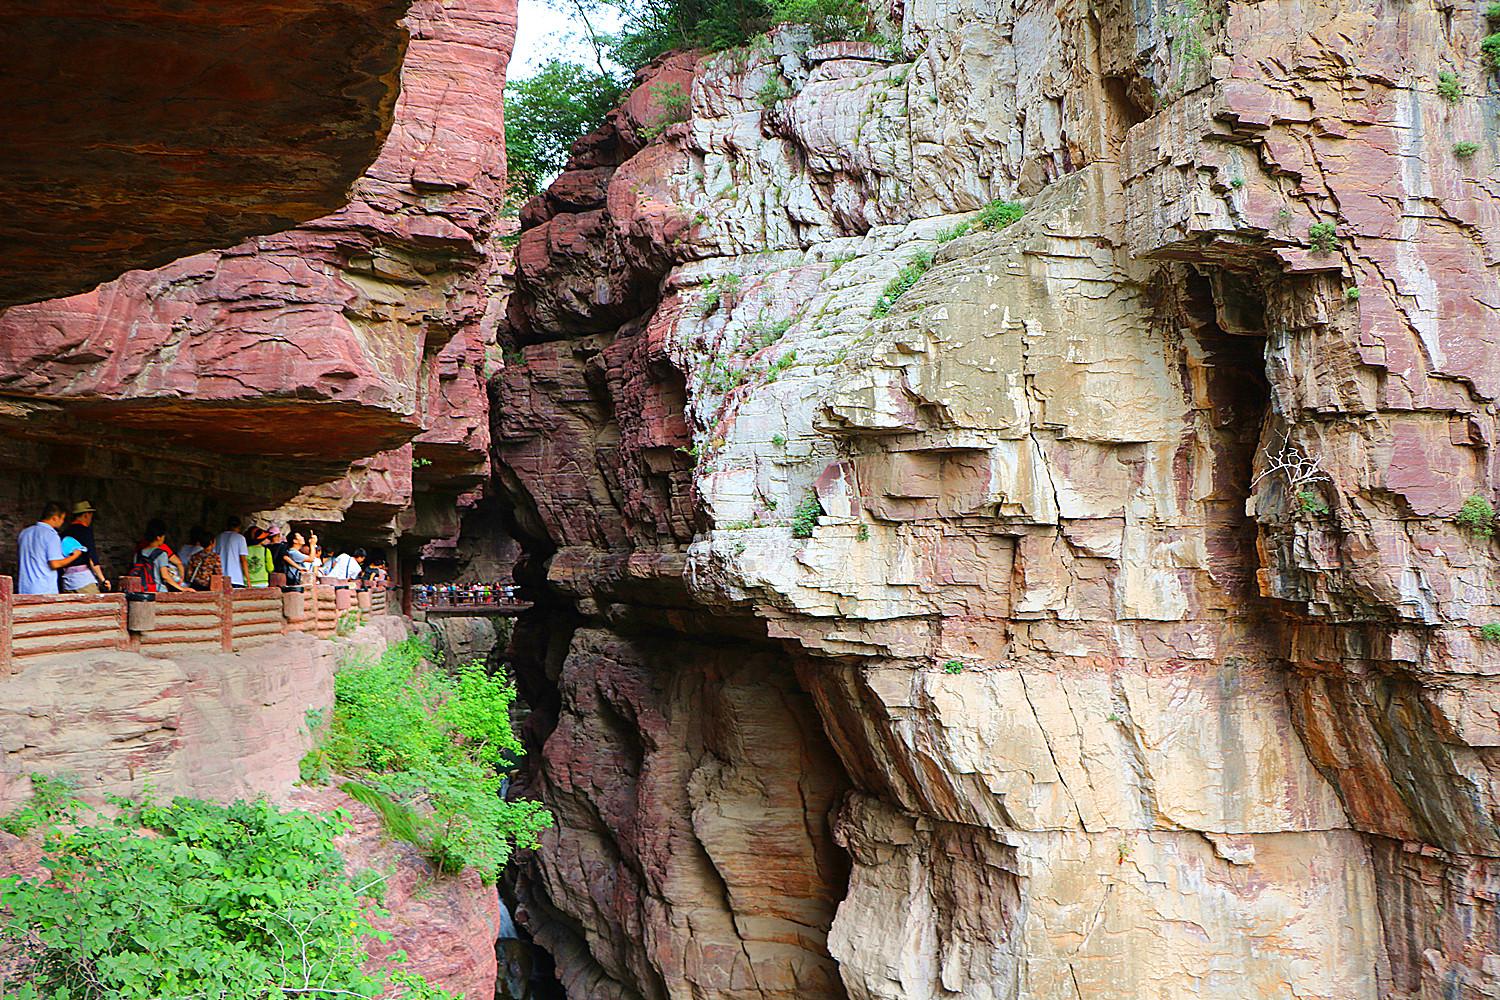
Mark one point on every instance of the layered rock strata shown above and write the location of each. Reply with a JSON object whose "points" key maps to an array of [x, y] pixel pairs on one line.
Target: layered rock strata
{"points": [[138, 131], [255, 376], [1112, 569]]}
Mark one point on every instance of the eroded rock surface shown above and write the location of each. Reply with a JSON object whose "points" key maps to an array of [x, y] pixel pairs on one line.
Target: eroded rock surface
{"points": [[1130, 604], [138, 131], [296, 354]]}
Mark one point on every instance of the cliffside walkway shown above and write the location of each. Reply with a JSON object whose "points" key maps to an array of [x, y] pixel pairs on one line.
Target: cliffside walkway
{"points": [[490, 607], [221, 619]]}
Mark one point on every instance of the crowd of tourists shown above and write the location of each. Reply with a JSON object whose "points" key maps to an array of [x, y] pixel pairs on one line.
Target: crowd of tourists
{"points": [[58, 554], [427, 594]]}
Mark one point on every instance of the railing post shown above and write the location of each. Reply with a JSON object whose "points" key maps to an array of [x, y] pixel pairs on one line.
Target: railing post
{"points": [[220, 589], [7, 621], [140, 610]]}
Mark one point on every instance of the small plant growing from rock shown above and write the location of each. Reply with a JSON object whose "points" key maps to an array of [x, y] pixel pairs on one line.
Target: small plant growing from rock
{"points": [[1237, 183], [780, 365], [53, 800], [998, 214], [349, 621], [1489, 50], [953, 667], [805, 518], [898, 286], [779, 440], [772, 93], [1477, 516], [1490, 633], [673, 105], [1448, 87], [1323, 236], [1465, 149], [1312, 502], [1352, 293], [863, 534]]}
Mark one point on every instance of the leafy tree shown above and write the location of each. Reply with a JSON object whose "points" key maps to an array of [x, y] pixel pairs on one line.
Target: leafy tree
{"points": [[547, 112], [195, 899], [426, 750]]}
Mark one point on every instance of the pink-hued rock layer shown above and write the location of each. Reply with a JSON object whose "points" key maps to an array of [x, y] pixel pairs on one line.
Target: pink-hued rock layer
{"points": [[303, 351], [138, 131]]}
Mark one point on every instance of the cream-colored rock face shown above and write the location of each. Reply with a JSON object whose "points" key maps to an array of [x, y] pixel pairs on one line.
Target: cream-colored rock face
{"points": [[1014, 442], [1117, 553]]}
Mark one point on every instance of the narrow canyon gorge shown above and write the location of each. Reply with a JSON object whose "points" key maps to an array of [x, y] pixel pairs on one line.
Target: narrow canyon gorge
{"points": [[1001, 508]]}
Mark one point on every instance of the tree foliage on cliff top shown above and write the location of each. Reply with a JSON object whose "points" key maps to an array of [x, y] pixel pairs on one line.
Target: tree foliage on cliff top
{"points": [[653, 27], [549, 111], [563, 101], [427, 749], [195, 899]]}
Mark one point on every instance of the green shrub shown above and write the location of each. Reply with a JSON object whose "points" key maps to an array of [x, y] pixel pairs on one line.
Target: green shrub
{"points": [[772, 92], [953, 667], [673, 106], [1448, 87], [1477, 515], [863, 534], [52, 801], [651, 29], [950, 233], [412, 734], [998, 214], [778, 440], [805, 517], [1323, 236], [898, 286], [1352, 293], [1489, 49], [1464, 150], [780, 365], [1312, 502], [195, 899], [1490, 631]]}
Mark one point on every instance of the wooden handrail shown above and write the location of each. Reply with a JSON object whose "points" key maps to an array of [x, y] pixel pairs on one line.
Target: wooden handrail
{"points": [[33, 625]]}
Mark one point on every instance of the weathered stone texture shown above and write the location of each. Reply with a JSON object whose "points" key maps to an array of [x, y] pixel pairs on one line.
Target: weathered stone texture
{"points": [[302, 352], [1126, 713], [138, 131]]}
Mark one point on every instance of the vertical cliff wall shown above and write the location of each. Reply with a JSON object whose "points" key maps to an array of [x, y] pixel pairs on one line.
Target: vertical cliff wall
{"points": [[1090, 622]]}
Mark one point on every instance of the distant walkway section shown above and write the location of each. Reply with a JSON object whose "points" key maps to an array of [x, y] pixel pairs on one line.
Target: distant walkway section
{"points": [[221, 619], [494, 603]]}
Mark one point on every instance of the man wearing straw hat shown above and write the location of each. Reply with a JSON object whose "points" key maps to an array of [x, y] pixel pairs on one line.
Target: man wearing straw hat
{"points": [[85, 576]]}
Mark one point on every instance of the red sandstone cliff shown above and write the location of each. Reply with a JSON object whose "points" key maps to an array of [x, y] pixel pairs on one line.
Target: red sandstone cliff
{"points": [[137, 131], [254, 376]]}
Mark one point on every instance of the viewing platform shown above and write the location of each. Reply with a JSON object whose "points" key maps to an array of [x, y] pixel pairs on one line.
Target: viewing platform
{"points": [[221, 619], [468, 606]]}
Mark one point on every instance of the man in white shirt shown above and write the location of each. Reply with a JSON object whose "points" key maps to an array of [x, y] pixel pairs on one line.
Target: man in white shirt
{"points": [[345, 567], [233, 552]]}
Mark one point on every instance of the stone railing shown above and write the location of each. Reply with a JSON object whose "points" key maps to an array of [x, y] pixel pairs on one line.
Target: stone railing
{"points": [[221, 619]]}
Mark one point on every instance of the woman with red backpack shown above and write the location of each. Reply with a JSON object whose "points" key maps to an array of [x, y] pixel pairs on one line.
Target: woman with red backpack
{"points": [[154, 563]]}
